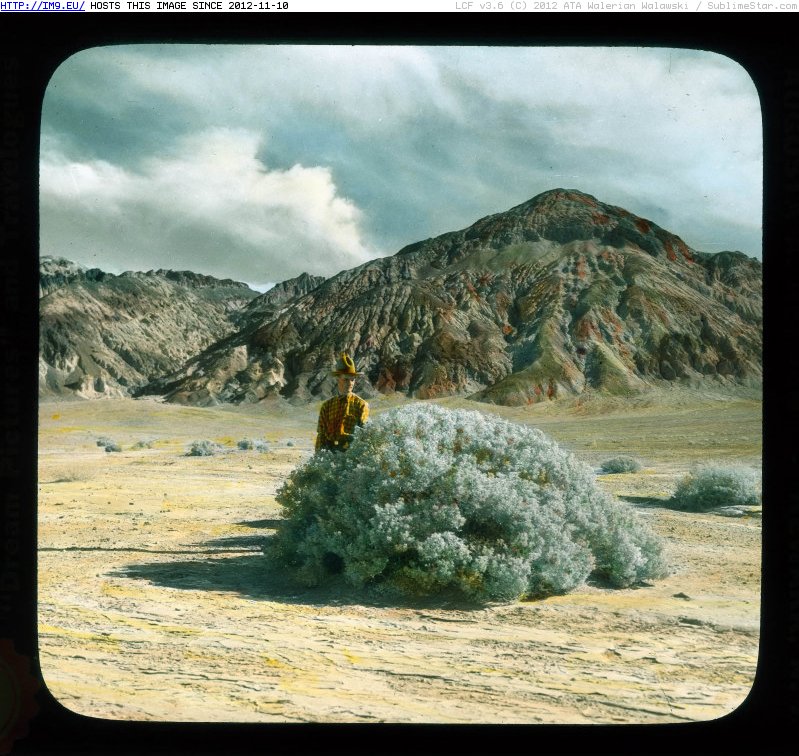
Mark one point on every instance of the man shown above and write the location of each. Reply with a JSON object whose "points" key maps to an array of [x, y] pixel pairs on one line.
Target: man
{"points": [[339, 415]]}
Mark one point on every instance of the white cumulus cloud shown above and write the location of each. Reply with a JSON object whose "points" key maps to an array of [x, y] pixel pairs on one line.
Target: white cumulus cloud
{"points": [[208, 204]]}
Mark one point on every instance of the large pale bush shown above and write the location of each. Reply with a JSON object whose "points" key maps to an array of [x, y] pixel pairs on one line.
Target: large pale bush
{"points": [[712, 486], [428, 500]]}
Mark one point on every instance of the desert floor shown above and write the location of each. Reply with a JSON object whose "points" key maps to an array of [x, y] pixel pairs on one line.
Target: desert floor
{"points": [[156, 604]]}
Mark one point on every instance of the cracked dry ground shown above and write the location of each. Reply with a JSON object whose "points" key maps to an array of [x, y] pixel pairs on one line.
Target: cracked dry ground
{"points": [[155, 604]]}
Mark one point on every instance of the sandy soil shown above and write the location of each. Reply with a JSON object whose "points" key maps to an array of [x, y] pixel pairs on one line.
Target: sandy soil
{"points": [[156, 604]]}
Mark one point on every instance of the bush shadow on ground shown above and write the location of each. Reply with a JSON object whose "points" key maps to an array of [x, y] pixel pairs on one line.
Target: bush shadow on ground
{"points": [[676, 505], [273, 523], [653, 502], [257, 576], [650, 502]]}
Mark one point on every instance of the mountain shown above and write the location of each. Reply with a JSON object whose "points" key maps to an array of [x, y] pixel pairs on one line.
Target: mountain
{"points": [[266, 306], [556, 296], [104, 335]]}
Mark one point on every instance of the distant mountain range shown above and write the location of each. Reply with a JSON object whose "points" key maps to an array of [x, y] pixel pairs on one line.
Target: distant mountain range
{"points": [[556, 296], [105, 335]]}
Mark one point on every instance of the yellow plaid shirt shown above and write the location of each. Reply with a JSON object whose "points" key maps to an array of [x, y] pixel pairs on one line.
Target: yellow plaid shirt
{"points": [[337, 420]]}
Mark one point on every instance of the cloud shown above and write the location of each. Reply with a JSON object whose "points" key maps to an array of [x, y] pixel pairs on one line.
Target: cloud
{"points": [[210, 205], [678, 130]]}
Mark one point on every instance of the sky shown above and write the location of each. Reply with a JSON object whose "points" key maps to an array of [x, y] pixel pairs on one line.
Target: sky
{"points": [[261, 162]]}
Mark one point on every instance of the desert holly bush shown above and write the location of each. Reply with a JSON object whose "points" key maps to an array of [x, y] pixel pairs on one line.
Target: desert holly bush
{"points": [[257, 444], [712, 486], [622, 464], [428, 500], [202, 449]]}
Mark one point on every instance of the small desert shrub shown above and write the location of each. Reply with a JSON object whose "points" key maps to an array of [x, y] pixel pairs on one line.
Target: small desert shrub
{"points": [[112, 447], [428, 500], [712, 486], [622, 464], [104, 441], [203, 449], [69, 475], [256, 444], [148, 444]]}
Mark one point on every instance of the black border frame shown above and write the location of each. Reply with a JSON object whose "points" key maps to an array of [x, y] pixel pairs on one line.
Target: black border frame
{"points": [[32, 47]]}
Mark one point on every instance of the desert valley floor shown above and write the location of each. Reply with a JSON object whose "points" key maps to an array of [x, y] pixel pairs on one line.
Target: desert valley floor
{"points": [[155, 603]]}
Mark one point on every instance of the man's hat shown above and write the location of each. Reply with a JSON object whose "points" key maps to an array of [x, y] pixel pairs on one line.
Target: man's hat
{"points": [[345, 366]]}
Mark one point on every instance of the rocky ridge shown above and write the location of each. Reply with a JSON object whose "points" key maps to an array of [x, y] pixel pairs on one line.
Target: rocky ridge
{"points": [[268, 305], [560, 295], [102, 334]]}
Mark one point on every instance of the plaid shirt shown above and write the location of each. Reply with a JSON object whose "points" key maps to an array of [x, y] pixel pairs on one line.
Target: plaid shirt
{"points": [[337, 420]]}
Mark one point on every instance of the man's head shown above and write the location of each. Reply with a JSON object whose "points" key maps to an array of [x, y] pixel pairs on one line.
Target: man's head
{"points": [[346, 373]]}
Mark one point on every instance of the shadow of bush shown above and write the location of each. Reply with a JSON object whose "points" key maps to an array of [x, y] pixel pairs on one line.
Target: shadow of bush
{"points": [[651, 502], [258, 576], [273, 523], [234, 543], [677, 505]]}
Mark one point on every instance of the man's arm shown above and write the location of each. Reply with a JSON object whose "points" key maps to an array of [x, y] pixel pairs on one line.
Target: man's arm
{"points": [[320, 424]]}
